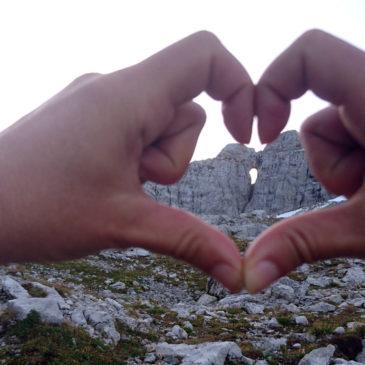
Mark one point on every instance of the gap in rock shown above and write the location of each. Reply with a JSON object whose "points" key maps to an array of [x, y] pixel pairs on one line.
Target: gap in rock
{"points": [[253, 174]]}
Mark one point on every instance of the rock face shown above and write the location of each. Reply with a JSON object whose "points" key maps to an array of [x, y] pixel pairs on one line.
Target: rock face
{"points": [[222, 185], [284, 182], [215, 186]]}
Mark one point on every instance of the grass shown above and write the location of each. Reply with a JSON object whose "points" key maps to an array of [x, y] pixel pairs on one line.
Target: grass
{"points": [[285, 321], [34, 291], [39, 343]]}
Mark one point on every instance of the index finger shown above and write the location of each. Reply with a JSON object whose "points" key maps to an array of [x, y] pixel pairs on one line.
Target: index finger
{"points": [[333, 69], [199, 63]]}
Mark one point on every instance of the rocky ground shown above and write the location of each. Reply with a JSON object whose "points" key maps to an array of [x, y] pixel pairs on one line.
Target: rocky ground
{"points": [[133, 307]]}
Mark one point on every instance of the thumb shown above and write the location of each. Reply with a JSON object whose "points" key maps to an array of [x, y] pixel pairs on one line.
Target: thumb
{"points": [[318, 235], [176, 233]]}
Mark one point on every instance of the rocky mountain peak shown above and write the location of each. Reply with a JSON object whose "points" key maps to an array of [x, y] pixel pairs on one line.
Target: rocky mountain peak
{"points": [[222, 185]]}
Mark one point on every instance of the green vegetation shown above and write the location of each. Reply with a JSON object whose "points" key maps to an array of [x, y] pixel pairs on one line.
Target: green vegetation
{"points": [[39, 343], [34, 291], [285, 321]]}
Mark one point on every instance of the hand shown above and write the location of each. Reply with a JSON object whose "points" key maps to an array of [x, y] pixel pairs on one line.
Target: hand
{"points": [[72, 170], [334, 140]]}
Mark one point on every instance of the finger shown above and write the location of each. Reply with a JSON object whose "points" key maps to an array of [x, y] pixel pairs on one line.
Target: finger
{"points": [[333, 69], [181, 235], [336, 160], [297, 240], [183, 70], [166, 160]]}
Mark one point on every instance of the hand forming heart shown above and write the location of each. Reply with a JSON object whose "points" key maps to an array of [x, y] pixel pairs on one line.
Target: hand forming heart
{"points": [[72, 170]]}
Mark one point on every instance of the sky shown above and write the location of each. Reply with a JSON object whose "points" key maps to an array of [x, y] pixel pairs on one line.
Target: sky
{"points": [[45, 44]]}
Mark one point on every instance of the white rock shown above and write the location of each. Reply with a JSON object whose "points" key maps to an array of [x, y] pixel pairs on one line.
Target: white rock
{"points": [[292, 308], [301, 320], [354, 276], [345, 362], [103, 322], [322, 307], [321, 356], [177, 333], [48, 309], [273, 323], [13, 288], [118, 285], [282, 291], [322, 281], [335, 298], [271, 344], [253, 308], [150, 358], [78, 318], [207, 299], [339, 331], [188, 325], [210, 353]]}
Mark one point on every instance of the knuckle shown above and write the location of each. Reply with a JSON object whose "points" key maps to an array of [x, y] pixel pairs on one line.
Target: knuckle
{"points": [[304, 248], [85, 77], [189, 246], [207, 37], [312, 36]]}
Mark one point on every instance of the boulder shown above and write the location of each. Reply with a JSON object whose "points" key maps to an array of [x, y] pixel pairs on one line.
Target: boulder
{"points": [[321, 356], [209, 353]]}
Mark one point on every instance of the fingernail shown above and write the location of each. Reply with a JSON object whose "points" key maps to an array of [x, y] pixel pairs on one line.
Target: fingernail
{"points": [[261, 275], [229, 276]]}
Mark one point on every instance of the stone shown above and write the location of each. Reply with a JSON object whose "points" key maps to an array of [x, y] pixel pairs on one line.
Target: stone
{"points": [[253, 308], [282, 291], [271, 344], [354, 276], [273, 323], [335, 299], [322, 281], [247, 361], [322, 307], [284, 182], [301, 320], [48, 309], [339, 330], [188, 325], [78, 318], [320, 356], [13, 289], [207, 299], [209, 353], [291, 307], [177, 333], [150, 358], [118, 285], [221, 185], [103, 322], [247, 232], [216, 289], [339, 361]]}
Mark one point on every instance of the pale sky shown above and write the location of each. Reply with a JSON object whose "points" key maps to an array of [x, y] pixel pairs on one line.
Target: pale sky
{"points": [[45, 44]]}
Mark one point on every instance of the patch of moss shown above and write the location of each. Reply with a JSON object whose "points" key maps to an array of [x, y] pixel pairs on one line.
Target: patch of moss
{"points": [[285, 321], [40, 343], [34, 291]]}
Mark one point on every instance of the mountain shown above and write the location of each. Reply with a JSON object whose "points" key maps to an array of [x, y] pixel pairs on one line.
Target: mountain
{"points": [[222, 185]]}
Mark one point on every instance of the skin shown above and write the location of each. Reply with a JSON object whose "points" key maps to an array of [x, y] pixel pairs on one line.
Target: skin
{"points": [[72, 170], [334, 140]]}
